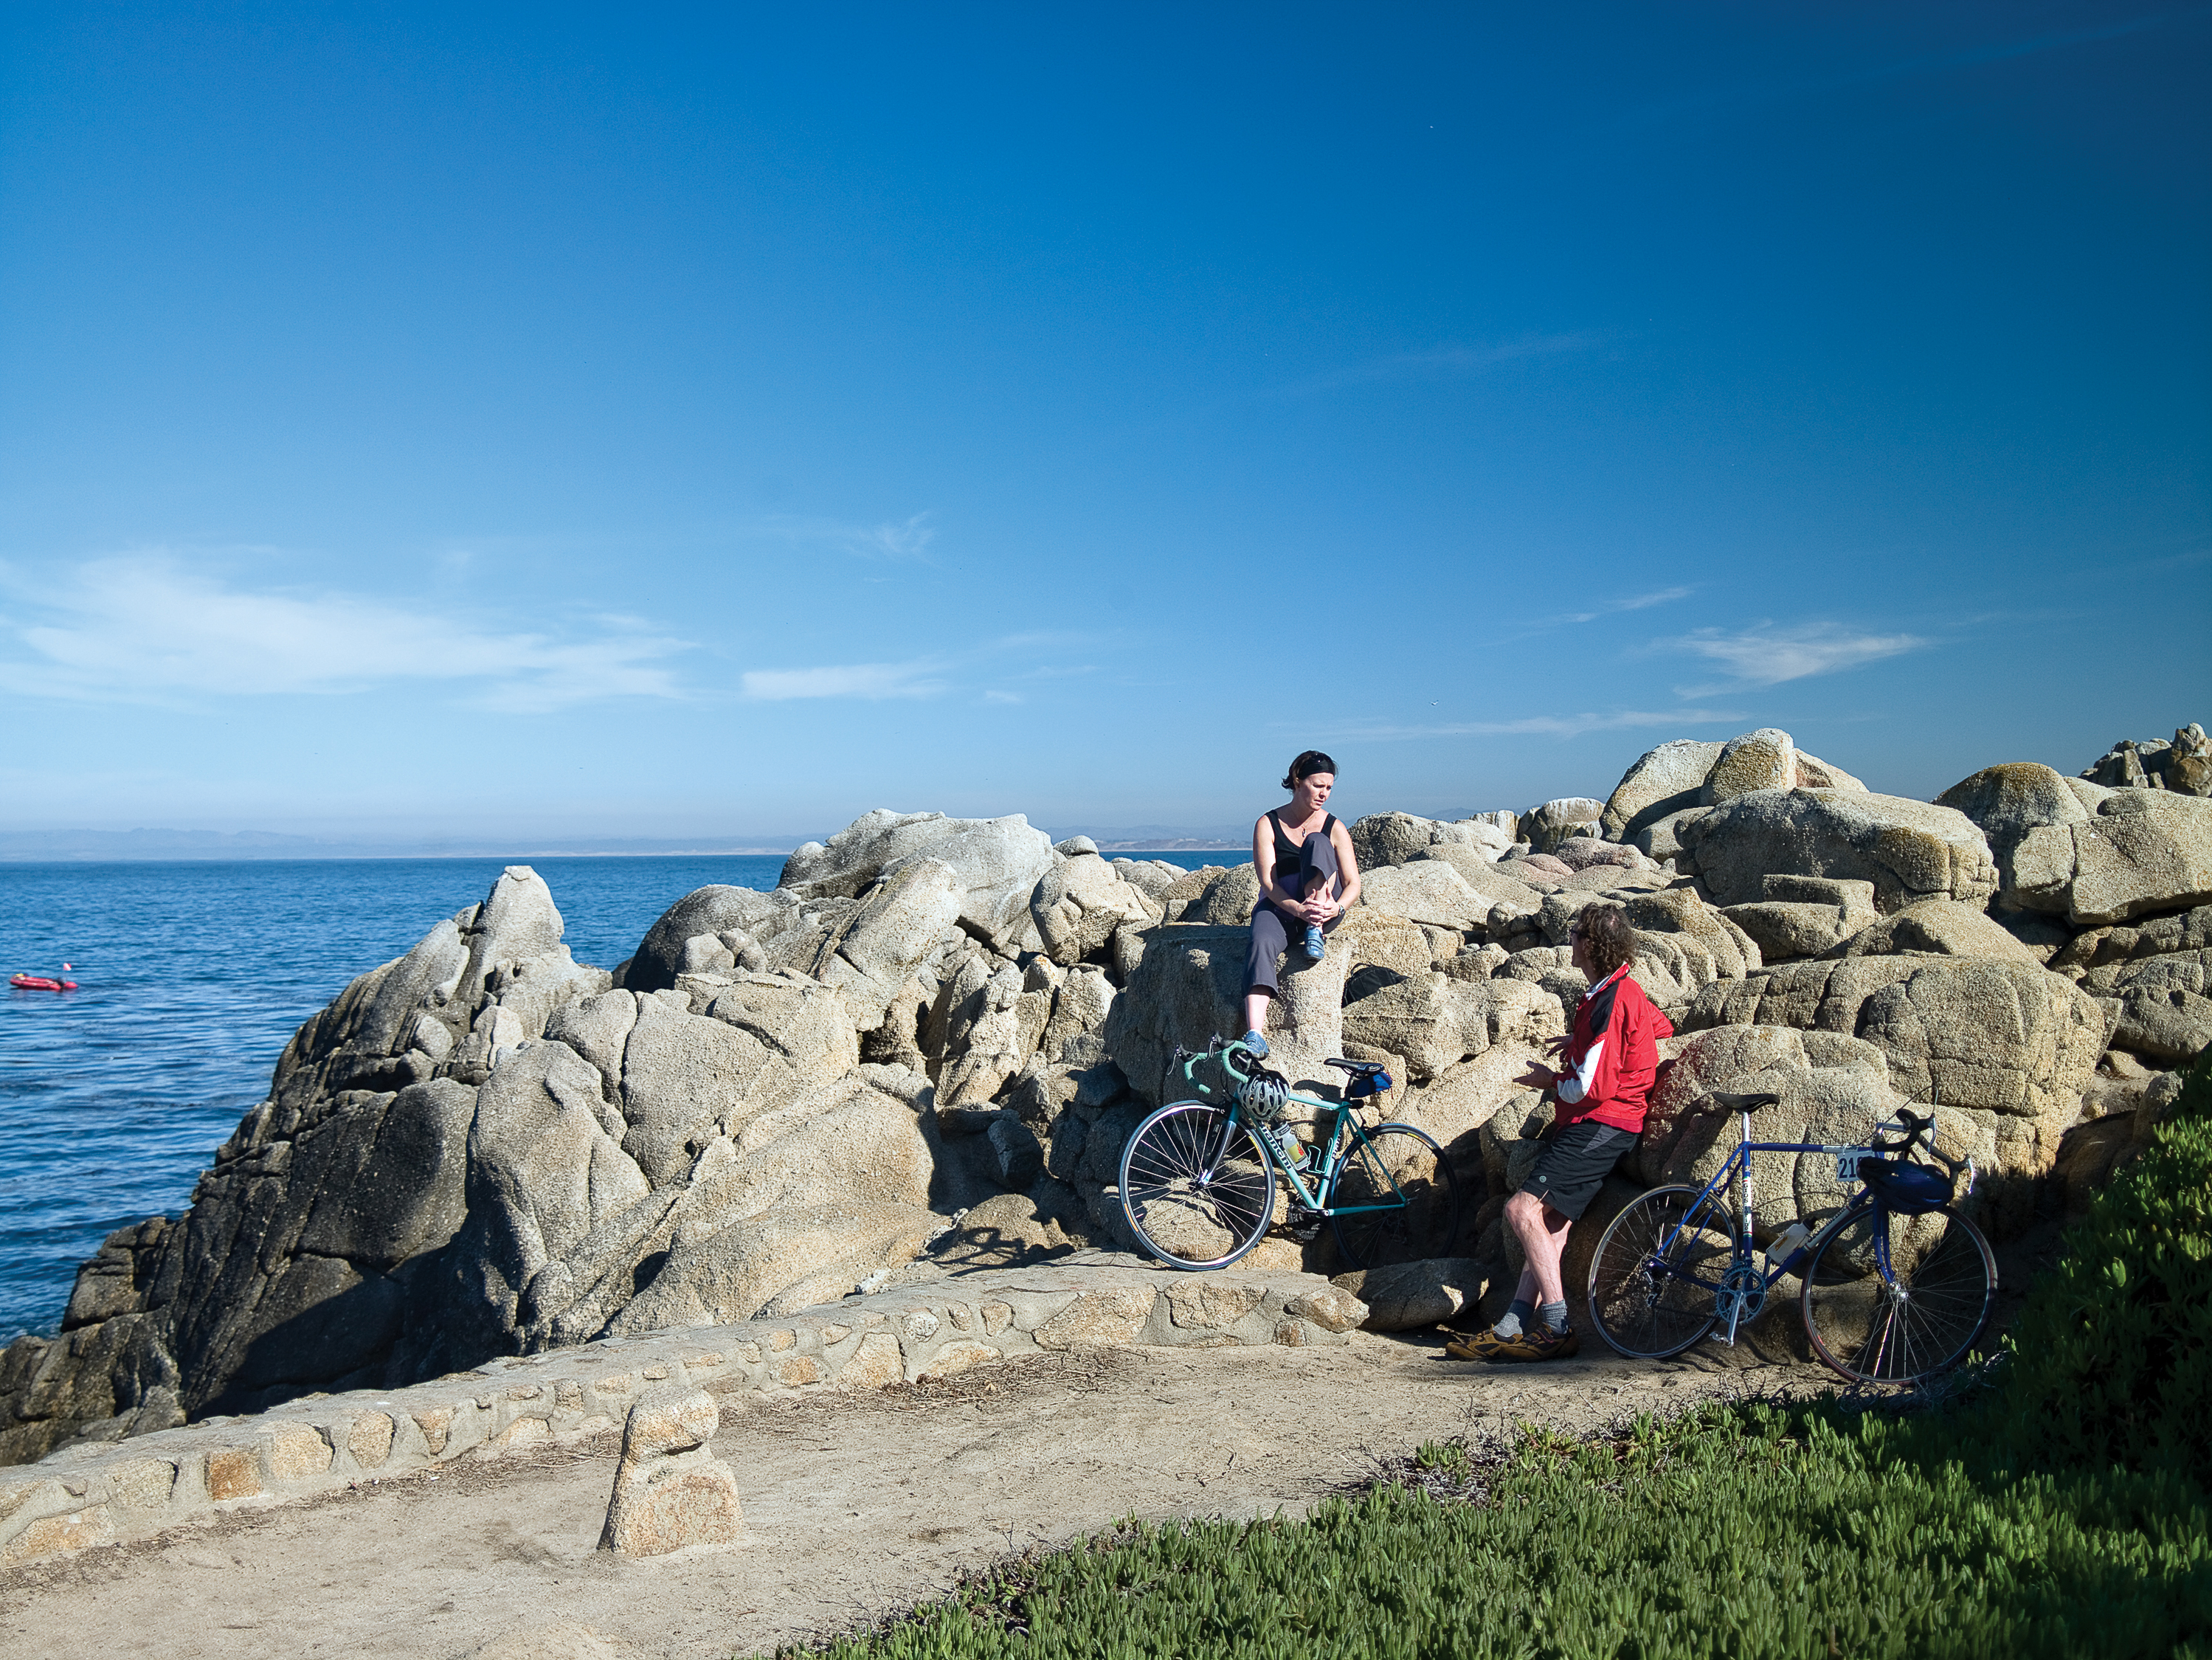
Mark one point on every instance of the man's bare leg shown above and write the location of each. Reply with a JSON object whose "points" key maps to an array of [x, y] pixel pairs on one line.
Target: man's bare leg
{"points": [[1542, 1232]]}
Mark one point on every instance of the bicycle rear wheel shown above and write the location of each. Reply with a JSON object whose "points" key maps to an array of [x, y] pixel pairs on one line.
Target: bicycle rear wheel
{"points": [[1653, 1282], [1913, 1320], [1401, 1198], [1196, 1189]]}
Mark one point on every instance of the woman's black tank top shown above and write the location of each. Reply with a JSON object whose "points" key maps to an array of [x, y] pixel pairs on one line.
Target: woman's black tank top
{"points": [[1287, 849]]}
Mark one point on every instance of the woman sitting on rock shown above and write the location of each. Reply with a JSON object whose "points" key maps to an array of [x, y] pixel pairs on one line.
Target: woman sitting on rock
{"points": [[1308, 878]]}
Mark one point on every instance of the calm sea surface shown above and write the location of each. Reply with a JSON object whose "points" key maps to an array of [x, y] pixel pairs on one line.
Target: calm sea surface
{"points": [[193, 977]]}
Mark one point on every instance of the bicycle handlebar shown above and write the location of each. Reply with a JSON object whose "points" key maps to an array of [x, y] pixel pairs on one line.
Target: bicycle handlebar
{"points": [[1215, 1050], [1915, 1127]]}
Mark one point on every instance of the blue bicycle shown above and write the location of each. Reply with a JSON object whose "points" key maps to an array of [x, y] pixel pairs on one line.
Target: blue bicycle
{"points": [[1894, 1288]]}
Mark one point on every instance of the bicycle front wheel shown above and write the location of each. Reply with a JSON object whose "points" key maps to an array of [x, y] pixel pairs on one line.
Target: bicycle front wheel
{"points": [[1891, 1298], [1654, 1281], [1196, 1189], [1394, 1198]]}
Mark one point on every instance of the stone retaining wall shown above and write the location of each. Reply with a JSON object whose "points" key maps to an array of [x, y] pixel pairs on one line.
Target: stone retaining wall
{"points": [[98, 1494]]}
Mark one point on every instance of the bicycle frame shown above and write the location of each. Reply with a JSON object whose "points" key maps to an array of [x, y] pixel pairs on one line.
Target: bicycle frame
{"points": [[1335, 1149], [1738, 1165]]}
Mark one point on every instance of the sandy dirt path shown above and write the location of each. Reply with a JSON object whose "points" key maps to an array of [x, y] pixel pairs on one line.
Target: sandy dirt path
{"points": [[856, 1506]]}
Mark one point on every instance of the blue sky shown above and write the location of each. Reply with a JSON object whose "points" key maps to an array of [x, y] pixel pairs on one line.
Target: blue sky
{"points": [[536, 422]]}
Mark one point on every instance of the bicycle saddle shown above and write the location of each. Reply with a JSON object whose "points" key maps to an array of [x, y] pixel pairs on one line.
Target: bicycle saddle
{"points": [[1368, 1080], [1750, 1103]]}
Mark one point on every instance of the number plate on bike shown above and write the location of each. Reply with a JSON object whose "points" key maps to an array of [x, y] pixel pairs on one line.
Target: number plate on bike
{"points": [[1847, 1163]]}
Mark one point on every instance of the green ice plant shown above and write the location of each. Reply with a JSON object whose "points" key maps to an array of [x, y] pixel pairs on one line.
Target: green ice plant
{"points": [[2111, 1360]]}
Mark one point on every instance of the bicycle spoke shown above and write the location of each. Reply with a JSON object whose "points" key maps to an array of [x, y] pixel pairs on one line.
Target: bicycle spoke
{"points": [[1196, 1189], [1879, 1312], [1653, 1282], [1393, 1198]]}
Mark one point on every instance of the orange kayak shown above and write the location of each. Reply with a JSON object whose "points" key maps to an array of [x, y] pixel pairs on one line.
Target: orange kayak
{"points": [[40, 982]]}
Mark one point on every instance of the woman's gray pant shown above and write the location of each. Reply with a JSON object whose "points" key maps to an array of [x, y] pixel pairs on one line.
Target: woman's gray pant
{"points": [[1274, 928]]}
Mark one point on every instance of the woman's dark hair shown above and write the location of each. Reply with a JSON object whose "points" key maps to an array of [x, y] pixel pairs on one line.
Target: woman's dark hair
{"points": [[1309, 762], [1611, 941]]}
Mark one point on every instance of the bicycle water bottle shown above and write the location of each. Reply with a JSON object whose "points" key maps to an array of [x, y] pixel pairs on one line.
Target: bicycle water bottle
{"points": [[1286, 1139], [1788, 1251]]}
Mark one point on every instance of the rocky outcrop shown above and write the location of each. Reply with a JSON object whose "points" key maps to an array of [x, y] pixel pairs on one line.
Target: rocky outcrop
{"points": [[2184, 766], [1679, 779], [1664, 781], [1548, 825], [997, 862], [2086, 852], [485, 1148], [1938, 927], [2153, 982], [2009, 1044], [1804, 916], [1189, 989], [1407, 1296], [1080, 903], [1382, 839], [1910, 850]]}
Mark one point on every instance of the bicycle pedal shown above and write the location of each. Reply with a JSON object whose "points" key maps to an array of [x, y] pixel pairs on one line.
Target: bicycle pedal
{"points": [[1303, 1225]]}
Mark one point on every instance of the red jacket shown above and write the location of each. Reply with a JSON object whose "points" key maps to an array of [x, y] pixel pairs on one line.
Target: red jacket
{"points": [[1613, 1054]]}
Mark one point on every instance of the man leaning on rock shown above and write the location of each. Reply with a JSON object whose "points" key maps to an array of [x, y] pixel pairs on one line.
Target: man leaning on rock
{"points": [[1611, 1055]]}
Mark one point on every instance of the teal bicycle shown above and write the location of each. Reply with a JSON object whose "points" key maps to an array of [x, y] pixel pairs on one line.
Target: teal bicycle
{"points": [[1199, 1176]]}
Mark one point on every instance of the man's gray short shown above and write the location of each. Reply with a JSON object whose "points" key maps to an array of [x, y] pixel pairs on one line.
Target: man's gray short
{"points": [[1574, 1164]]}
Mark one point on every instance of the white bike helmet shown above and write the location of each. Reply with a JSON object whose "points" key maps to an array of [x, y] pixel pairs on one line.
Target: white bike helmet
{"points": [[1265, 1094]]}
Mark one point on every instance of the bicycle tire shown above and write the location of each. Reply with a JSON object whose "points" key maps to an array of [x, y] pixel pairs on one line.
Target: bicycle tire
{"points": [[1647, 1306], [1192, 1180], [1921, 1319], [1402, 1168]]}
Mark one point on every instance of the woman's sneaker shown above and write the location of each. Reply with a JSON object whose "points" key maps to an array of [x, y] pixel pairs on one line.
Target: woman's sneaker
{"points": [[1256, 1043], [1316, 945]]}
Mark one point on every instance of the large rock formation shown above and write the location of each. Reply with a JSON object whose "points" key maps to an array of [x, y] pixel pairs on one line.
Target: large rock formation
{"points": [[2086, 852], [1684, 776], [2183, 765], [1910, 850], [485, 1147], [928, 1048], [997, 862]]}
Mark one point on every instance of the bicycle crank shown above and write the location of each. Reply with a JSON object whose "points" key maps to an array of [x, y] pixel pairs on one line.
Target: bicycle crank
{"points": [[1742, 1295]]}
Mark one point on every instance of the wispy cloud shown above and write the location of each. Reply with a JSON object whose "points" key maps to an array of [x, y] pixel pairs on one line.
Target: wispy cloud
{"points": [[1546, 726], [1640, 602], [1767, 655], [148, 628], [862, 680], [1442, 361], [903, 538]]}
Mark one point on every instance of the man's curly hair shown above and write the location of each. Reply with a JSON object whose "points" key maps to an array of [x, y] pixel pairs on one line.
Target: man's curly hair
{"points": [[1611, 941]]}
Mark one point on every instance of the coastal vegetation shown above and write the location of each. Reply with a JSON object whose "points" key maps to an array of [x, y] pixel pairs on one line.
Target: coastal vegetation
{"points": [[2055, 1504]]}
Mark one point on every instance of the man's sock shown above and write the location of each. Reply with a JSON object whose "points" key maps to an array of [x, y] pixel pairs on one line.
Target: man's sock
{"points": [[1554, 1315], [1517, 1319]]}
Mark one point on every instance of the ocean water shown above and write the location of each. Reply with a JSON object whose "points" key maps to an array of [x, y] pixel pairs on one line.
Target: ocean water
{"points": [[192, 978]]}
